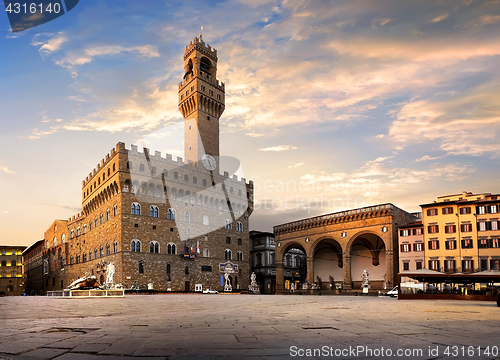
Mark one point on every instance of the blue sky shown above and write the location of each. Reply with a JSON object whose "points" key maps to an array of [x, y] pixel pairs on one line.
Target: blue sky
{"points": [[329, 104]]}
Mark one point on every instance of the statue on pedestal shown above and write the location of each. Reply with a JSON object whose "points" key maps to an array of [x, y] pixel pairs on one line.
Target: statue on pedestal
{"points": [[110, 272], [365, 284], [253, 283], [227, 283]]}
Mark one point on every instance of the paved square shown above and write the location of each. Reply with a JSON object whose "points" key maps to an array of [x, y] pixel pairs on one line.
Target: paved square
{"points": [[246, 327]]}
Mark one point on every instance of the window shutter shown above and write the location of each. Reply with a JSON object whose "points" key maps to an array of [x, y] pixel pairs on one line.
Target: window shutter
{"points": [[414, 247], [400, 232], [401, 246], [455, 243], [430, 264], [454, 228], [429, 244], [437, 244]]}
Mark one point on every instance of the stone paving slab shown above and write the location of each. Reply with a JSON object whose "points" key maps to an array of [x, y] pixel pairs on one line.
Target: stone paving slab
{"points": [[239, 327]]}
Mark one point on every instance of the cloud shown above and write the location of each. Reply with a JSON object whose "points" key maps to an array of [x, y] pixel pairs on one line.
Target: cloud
{"points": [[483, 21], [439, 18], [6, 170], [428, 158], [279, 148], [76, 58], [461, 124], [256, 135], [295, 166]]}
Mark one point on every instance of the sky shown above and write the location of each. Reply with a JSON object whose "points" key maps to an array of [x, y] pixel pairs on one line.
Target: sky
{"points": [[330, 105]]}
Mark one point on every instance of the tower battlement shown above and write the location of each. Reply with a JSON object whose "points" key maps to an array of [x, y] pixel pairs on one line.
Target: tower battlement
{"points": [[200, 45]]}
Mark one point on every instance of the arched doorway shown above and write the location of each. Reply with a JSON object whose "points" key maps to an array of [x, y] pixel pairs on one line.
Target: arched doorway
{"points": [[328, 262], [294, 267], [368, 252]]}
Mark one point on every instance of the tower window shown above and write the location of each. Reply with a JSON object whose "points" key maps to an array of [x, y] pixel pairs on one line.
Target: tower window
{"points": [[182, 96], [192, 88], [187, 92], [218, 97], [208, 117], [202, 88]]}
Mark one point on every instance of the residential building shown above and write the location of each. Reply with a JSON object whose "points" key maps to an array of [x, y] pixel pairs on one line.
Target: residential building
{"points": [[461, 233], [11, 270], [33, 268], [262, 260]]}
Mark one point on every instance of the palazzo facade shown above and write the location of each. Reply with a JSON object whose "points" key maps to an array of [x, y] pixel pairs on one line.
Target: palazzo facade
{"points": [[166, 223]]}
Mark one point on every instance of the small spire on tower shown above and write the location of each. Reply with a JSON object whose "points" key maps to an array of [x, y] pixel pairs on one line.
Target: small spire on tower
{"points": [[201, 30]]}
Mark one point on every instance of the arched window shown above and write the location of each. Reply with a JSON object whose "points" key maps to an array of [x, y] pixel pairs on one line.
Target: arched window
{"points": [[154, 247], [115, 247], [71, 235], [168, 272], [84, 228], [63, 238], [84, 258], [171, 249], [186, 216], [141, 268], [108, 249], [206, 253], [153, 170], [109, 172], [101, 219], [54, 242], [135, 245], [227, 224], [239, 192], [95, 222], [186, 178], [176, 175], [13, 274], [107, 215], [164, 173], [153, 211], [204, 182], [90, 255], [141, 167], [195, 180], [95, 253], [78, 231], [239, 255], [115, 210], [90, 225], [228, 240], [227, 254], [101, 251], [171, 214], [239, 226], [13, 263], [136, 209], [114, 168], [4, 263]]}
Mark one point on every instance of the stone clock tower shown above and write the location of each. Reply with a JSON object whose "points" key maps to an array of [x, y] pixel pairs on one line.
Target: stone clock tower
{"points": [[201, 101]]}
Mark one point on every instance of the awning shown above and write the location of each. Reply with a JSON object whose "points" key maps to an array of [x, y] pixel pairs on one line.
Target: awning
{"points": [[425, 275]]}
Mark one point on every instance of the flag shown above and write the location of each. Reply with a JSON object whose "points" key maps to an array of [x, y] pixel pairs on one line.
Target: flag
{"points": [[192, 246], [198, 246], [185, 246]]}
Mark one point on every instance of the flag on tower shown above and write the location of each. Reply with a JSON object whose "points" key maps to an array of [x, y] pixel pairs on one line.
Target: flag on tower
{"points": [[198, 246]]}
